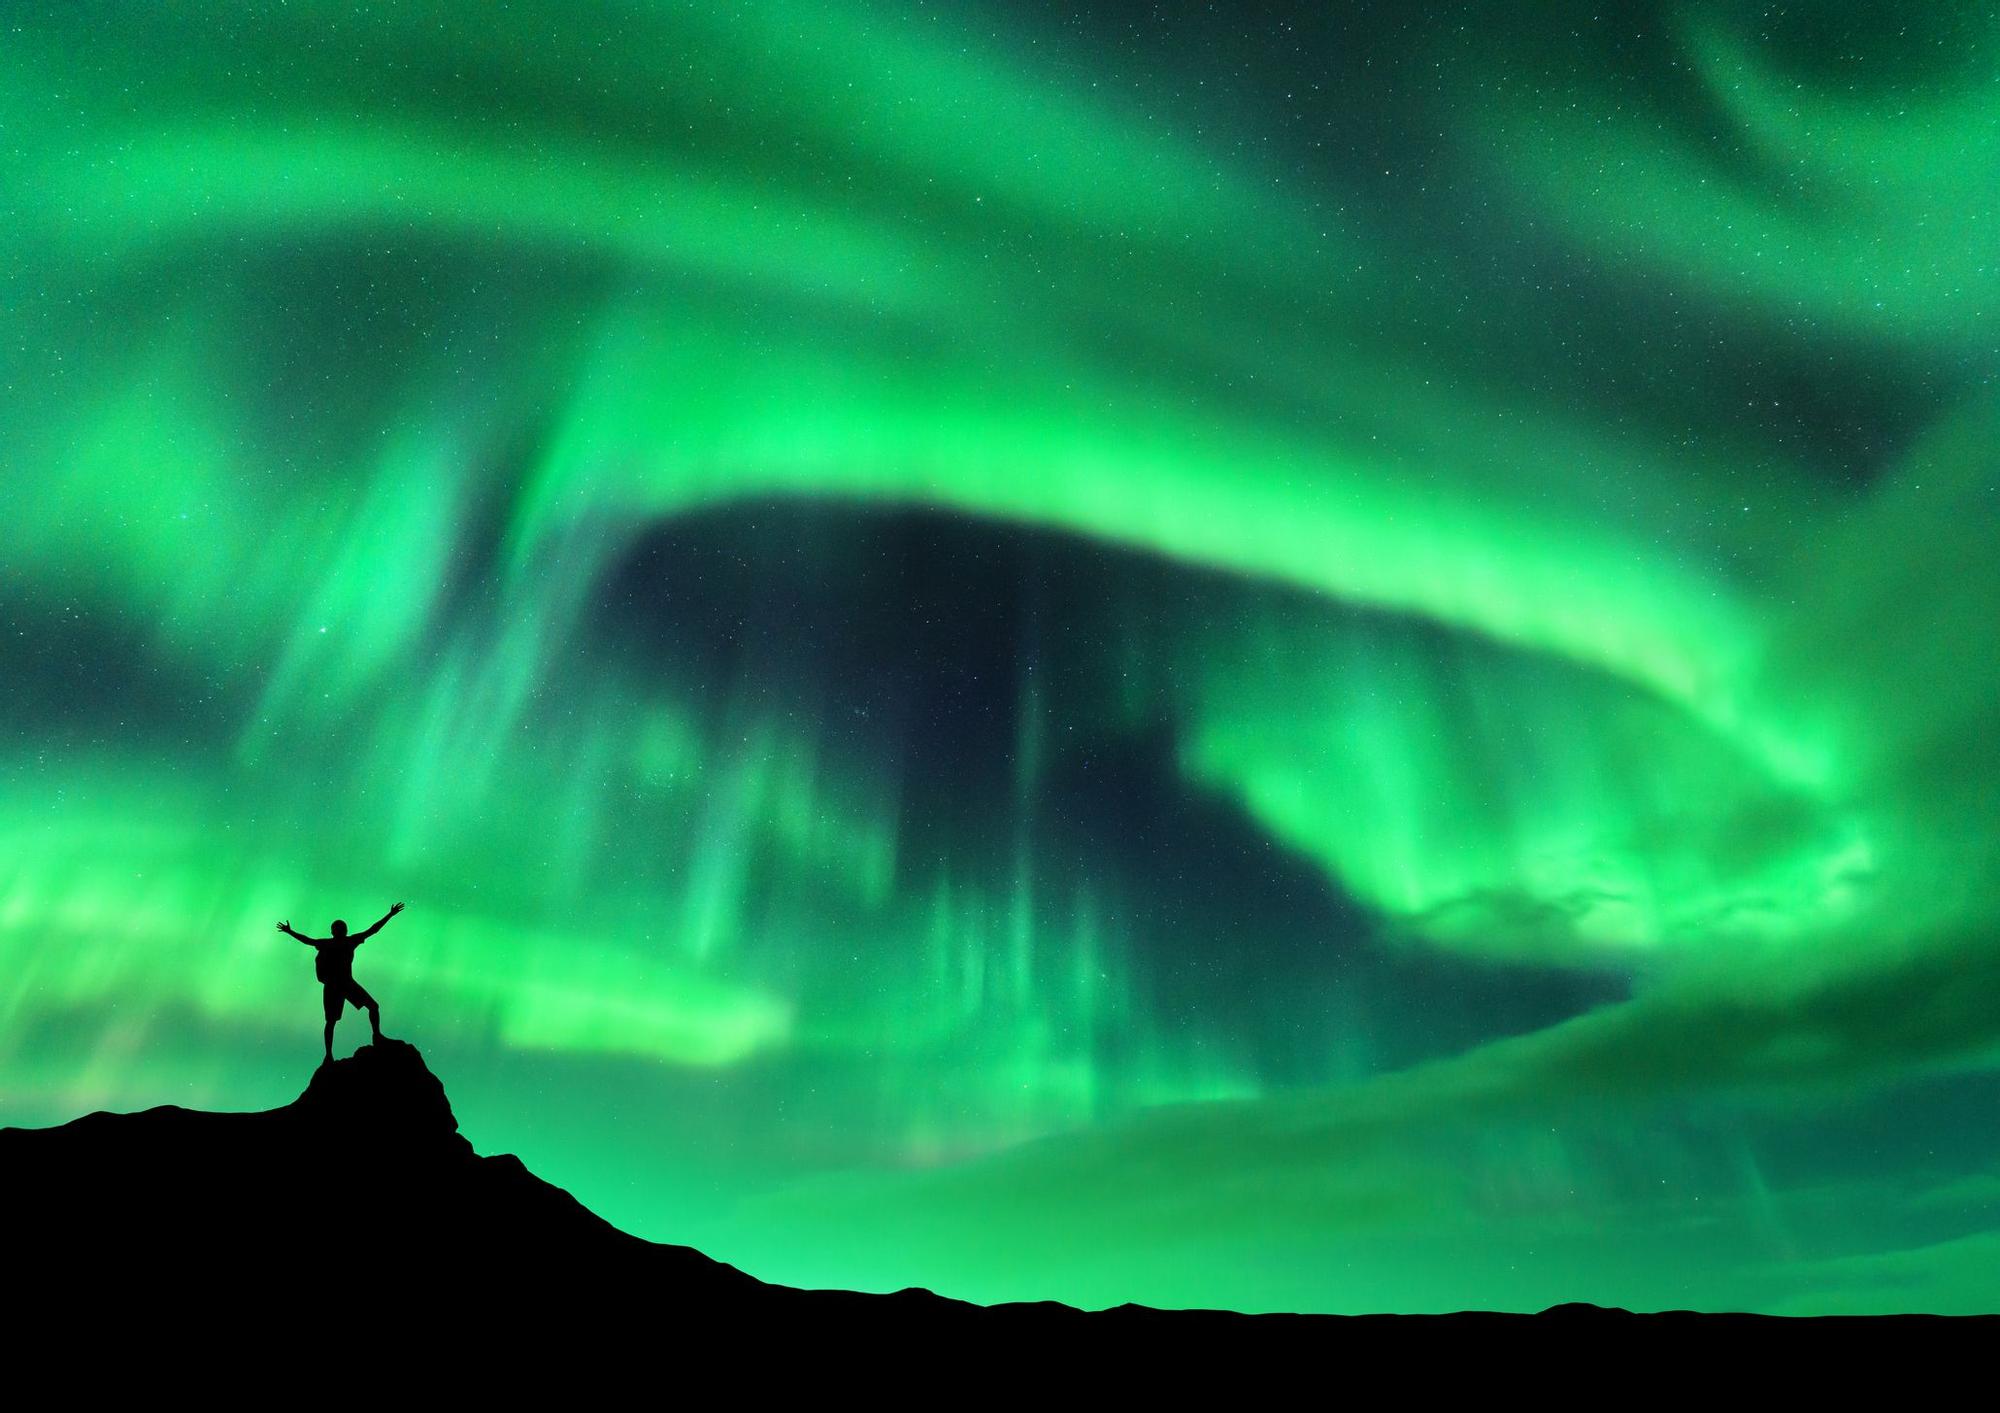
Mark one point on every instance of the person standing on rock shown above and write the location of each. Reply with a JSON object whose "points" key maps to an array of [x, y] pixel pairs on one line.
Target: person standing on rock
{"points": [[335, 968]]}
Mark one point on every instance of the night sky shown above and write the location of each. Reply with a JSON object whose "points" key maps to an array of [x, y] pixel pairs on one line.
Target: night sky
{"points": [[1334, 659]]}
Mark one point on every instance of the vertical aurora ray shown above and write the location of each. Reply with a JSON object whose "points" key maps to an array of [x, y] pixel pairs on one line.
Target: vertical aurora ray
{"points": [[1293, 664]]}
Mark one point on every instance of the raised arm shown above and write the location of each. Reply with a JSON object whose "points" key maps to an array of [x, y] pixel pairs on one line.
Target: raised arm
{"points": [[364, 936], [286, 928]]}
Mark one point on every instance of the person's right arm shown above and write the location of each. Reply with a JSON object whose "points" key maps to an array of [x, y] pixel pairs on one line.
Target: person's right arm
{"points": [[286, 928], [370, 932]]}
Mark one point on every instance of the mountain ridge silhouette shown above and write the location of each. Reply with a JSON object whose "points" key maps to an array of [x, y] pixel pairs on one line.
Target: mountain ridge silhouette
{"points": [[362, 1195]]}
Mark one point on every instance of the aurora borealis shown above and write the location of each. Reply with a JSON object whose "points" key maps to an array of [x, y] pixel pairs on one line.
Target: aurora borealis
{"points": [[1325, 659]]}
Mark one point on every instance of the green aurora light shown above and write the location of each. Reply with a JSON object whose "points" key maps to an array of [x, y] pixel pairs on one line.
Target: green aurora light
{"points": [[1313, 663]]}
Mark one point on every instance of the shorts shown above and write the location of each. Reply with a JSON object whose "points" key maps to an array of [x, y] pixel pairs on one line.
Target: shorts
{"points": [[339, 992]]}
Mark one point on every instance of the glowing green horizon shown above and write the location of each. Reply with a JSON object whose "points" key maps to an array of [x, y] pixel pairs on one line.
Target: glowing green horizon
{"points": [[1315, 669]]}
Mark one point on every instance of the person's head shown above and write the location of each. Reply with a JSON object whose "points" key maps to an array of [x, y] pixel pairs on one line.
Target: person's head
{"points": [[339, 928]]}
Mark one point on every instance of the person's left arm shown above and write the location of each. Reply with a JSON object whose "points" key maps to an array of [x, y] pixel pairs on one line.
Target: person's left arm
{"points": [[363, 937]]}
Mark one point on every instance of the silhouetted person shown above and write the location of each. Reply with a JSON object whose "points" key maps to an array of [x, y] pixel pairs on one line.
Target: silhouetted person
{"points": [[335, 968]]}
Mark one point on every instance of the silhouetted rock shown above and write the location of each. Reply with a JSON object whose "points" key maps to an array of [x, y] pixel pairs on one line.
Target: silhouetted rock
{"points": [[386, 1093], [362, 1196]]}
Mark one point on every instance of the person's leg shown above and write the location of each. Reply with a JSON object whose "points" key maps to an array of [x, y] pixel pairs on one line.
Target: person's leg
{"points": [[361, 998], [331, 1005]]}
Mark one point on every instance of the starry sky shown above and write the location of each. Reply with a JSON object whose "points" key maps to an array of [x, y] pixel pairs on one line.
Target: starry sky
{"points": [[1332, 658]]}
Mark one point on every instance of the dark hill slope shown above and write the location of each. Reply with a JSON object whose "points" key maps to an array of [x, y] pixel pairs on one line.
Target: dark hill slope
{"points": [[360, 1206]]}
